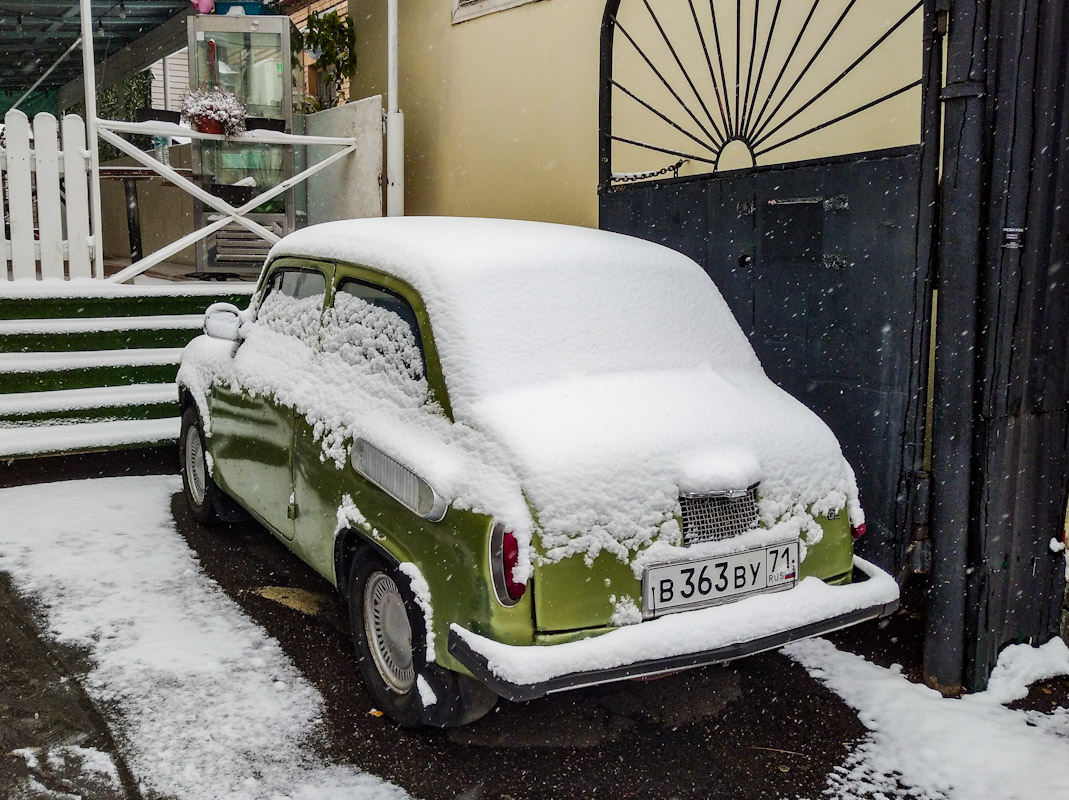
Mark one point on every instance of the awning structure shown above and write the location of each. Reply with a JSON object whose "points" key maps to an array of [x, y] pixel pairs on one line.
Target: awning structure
{"points": [[69, 49], [38, 36]]}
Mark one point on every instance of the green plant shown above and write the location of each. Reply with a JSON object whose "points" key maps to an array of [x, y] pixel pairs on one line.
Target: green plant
{"points": [[122, 102], [332, 41]]}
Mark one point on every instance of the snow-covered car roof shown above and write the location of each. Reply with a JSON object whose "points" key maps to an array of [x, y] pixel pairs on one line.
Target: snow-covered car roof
{"points": [[516, 303]]}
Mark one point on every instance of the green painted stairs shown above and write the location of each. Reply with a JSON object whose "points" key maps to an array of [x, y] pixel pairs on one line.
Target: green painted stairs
{"points": [[88, 366]]}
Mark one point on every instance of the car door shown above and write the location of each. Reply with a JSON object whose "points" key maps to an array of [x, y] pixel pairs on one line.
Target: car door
{"points": [[371, 344], [252, 432]]}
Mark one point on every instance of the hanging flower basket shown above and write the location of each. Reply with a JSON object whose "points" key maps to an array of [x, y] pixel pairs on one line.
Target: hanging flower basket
{"points": [[206, 124], [214, 111]]}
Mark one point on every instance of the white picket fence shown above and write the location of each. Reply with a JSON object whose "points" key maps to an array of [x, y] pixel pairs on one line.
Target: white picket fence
{"points": [[46, 232]]}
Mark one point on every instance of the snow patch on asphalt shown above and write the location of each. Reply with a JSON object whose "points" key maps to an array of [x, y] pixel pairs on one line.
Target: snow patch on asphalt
{"points": [[923, 746], [203, 702], [91, 770]]}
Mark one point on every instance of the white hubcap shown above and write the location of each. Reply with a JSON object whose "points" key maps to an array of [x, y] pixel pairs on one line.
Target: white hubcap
{"points": [[195, 467], [388, 632]]}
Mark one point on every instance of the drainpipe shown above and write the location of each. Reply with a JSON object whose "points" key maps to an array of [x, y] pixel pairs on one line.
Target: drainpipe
{"points": [[88, 68], [395, 123]]}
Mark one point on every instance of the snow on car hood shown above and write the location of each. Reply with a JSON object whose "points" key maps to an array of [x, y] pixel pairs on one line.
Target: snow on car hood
{"points": [[592, 377]]}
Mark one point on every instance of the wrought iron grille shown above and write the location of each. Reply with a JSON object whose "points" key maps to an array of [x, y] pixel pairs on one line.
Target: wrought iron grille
{"points": [[692, 78], [714, 517]]}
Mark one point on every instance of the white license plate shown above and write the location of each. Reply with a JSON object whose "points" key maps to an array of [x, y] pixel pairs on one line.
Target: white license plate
{"points": [[690, 584]]}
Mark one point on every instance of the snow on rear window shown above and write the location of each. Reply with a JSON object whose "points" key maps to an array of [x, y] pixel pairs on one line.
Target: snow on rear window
{"points": [[374, 338]]}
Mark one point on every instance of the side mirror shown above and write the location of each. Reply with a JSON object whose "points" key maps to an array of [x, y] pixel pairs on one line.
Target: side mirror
{"points": [[223, 321]]}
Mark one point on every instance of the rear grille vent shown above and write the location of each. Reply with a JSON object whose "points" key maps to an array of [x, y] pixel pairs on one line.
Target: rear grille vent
{"points": [[714, 516]]}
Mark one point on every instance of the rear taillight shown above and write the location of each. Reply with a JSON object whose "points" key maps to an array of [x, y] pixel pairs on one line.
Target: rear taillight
{"points": [[504, 555], [857, 531], [510, 554]]}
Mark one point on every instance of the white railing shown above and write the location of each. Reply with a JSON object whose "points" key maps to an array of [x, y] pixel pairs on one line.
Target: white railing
{"points": [[46, 201], [109, 131]]}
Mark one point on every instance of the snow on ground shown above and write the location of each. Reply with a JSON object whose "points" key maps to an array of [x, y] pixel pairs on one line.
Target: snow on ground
{"points": [[202, 701], [923, 746], [92, 771]]}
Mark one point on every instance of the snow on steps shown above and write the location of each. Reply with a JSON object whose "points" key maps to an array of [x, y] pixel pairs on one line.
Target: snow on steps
{"points": [[26, 403], [92, 367], [68, 406], [87, 436]]}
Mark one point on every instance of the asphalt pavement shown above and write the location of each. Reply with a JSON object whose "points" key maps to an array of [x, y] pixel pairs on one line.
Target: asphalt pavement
{"points": [[754, 729]]}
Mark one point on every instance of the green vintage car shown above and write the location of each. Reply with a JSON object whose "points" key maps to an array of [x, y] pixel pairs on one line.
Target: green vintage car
{"points": [[530, 457]]}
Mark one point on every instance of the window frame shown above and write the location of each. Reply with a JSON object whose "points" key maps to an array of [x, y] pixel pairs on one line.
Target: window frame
{"points": [[432, 365], [324, 269], [283, 268], [417, 331], [464, 10]]}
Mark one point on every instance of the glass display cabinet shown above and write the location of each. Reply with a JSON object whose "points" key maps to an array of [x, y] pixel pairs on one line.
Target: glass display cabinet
{"points": [[250, 57]]}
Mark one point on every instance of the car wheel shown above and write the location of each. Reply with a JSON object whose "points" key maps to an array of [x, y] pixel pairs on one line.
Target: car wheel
{"points": [[389, 633], [197, 484]]}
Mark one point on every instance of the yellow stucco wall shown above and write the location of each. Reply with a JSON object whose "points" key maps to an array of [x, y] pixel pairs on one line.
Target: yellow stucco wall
{"points": [[500, 111]]}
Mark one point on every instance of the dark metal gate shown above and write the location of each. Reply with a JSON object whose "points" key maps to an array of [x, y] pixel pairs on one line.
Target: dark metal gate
{"points": [[825, 260]]}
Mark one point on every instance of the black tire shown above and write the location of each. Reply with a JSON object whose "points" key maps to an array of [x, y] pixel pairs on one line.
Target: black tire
{"points": [[391, 669], [200, 490]]}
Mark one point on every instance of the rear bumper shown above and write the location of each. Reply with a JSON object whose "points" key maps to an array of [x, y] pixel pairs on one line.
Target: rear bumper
{"points": [[677, 641]]}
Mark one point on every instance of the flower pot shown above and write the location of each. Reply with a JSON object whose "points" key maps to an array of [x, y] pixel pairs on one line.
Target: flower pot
{"points": [[208, 125]]}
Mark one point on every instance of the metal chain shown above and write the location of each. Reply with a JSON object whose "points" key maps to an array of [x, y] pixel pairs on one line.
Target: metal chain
{"points": [[641, 176]]}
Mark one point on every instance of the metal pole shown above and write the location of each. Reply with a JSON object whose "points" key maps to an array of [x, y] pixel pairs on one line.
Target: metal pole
{"points": [[166, 83], [133, 218], [608, 30], [88, 68], [395, 123]]}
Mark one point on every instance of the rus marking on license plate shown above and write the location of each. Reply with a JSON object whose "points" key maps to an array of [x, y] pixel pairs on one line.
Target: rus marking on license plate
{"points": [[706, 581]]}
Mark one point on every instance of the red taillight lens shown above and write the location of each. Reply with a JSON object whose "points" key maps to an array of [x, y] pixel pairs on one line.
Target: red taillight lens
{"points": [[857, 531], [510, 555]]}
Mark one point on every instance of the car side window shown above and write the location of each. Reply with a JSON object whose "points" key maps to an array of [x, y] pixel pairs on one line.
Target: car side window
{"points": [[376, 331], [293, 303]]}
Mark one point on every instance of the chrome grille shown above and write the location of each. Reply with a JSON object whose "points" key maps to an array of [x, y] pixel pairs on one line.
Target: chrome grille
{"points": [[718, 515]]}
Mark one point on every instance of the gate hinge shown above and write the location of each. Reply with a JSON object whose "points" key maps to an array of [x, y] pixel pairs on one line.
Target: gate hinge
{"points": [[963, 90]]}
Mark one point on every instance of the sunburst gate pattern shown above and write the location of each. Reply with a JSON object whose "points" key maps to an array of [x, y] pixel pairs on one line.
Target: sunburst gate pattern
{"points": [[710, 85]]}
